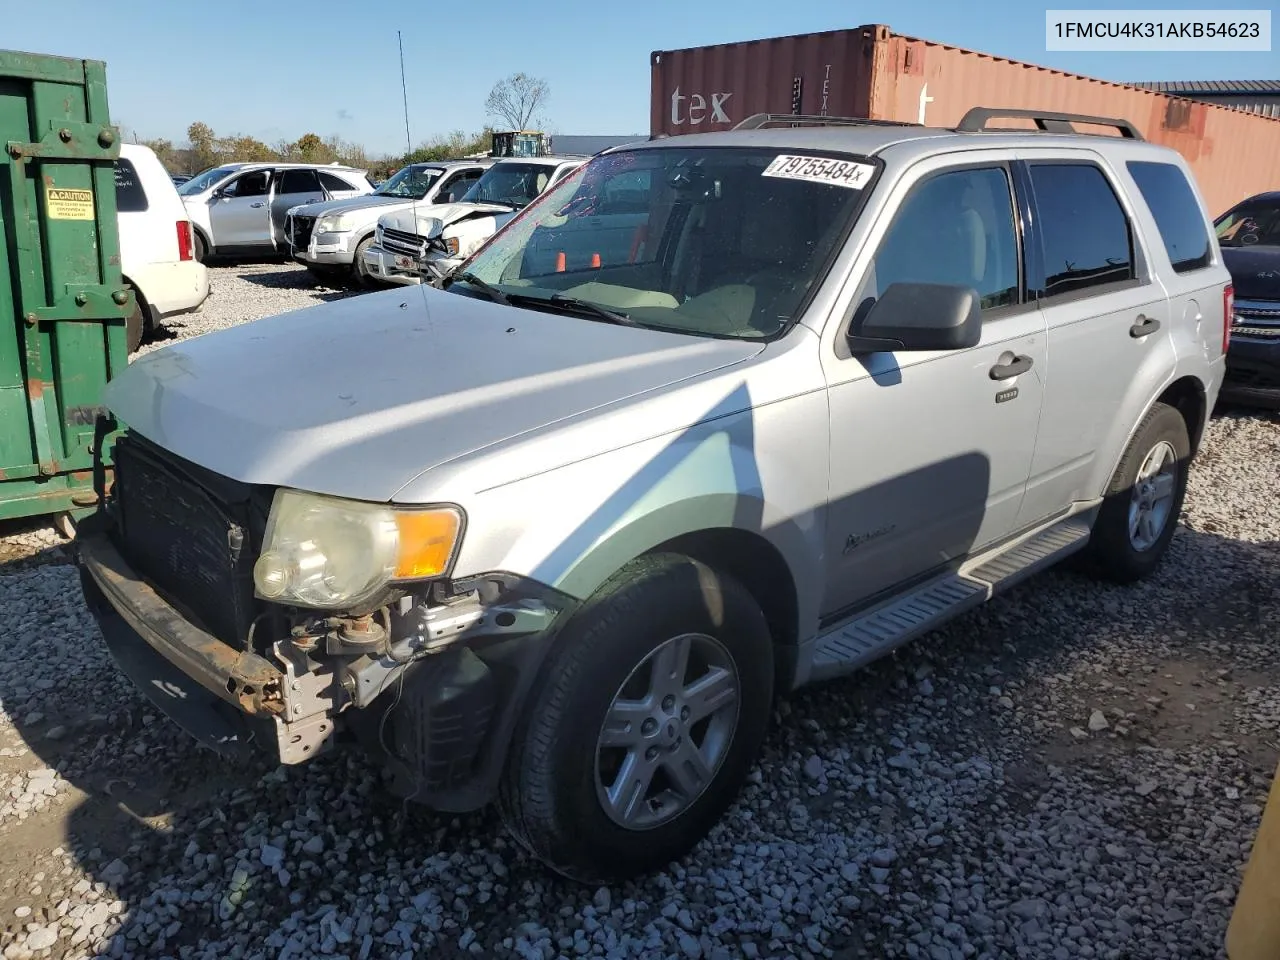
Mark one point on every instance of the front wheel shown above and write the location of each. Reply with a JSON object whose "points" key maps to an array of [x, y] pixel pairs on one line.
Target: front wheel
{"points": [[360, 274], [200, 249], [1140, 512], [651, 708]]}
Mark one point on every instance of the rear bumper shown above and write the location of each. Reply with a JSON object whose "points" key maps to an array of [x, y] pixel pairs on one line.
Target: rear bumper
{"points": [[171, 289], [1253, 371]]}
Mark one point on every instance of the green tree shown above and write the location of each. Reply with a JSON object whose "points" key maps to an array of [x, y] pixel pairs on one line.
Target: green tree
{"points": [[204, 152]]}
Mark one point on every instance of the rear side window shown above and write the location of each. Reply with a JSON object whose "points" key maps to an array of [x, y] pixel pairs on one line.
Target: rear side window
{"points": [[130, 197], [1086, 236], [298, 181], [1173, 205], [336, 184]]}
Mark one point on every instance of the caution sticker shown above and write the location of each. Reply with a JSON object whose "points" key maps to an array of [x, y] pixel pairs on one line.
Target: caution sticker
{"points": [[69, 204], [838, 173]]}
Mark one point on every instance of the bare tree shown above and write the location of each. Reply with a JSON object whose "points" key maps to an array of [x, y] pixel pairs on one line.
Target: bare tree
{"points": [[516, 99]]}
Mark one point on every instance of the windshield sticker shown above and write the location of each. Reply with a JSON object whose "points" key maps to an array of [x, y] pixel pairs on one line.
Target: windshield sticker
{"points": [[839, 173]]}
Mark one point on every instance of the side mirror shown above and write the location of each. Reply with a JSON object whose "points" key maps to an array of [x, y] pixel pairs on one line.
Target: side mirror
{"points": [[918, 316]]}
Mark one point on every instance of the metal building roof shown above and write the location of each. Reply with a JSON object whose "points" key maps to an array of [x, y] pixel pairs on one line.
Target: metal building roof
{"points": [[1222, 88]]}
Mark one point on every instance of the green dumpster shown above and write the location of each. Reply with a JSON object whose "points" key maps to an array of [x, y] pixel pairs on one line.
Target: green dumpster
{"points": [[62, 303]]}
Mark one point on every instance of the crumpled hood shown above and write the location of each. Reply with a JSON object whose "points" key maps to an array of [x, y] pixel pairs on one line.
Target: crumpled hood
{"points": [[345, 204], [356, 398], [1255, 271], [409, 219]]}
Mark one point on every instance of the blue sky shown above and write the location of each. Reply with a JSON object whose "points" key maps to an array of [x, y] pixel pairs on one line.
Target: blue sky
{"points": [[276, 70]]}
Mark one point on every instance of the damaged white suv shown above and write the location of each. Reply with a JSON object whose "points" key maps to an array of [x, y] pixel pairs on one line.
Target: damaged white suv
{"points": [[715, 418], [426, 241]]}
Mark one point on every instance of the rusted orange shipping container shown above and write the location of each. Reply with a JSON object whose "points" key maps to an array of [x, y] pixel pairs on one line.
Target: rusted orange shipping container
{"points": [[875, 73]]}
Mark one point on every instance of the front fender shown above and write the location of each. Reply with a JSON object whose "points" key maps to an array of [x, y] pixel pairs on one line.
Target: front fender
{"points": [[760, 471]]}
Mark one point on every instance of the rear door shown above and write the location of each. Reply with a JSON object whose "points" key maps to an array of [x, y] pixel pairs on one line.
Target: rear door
{"points": [[239, 214], [1108, 322], [1194, 274], [294, 187]]}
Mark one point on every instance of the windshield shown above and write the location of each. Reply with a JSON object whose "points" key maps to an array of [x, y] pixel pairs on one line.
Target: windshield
{"points": [[515, 184], [203, 181], [411, 183], [1250, 224], [724, 242]]}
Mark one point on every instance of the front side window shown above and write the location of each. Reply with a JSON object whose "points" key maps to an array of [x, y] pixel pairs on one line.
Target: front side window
{"points": [[1252, 222], [724, 242], [252, 184], [130, 197], [1168, 196], [204, 180], [954, 228], [510, 184], [1086, 236], [410, 183], [457, 187]]}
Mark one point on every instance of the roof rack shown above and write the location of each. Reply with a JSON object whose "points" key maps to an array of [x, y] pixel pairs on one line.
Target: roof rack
{"points": [[761, 120], [975, 121]]}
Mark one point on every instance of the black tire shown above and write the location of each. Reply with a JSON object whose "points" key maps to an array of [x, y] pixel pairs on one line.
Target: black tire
{"points": [[135, 325], [1111, 553], [360, 276], [200, 249], [548, 797]]}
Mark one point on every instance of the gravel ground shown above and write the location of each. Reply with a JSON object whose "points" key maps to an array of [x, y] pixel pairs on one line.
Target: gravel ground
{"points": [[1075, 771]]}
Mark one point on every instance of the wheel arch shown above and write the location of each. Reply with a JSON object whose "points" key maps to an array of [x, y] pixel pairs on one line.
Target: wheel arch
{"points": [[1187, 395], [775, 562]]}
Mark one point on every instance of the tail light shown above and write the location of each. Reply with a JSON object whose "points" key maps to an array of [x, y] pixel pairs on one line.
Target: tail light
{"points": [[1228, 314], [185, 249]]}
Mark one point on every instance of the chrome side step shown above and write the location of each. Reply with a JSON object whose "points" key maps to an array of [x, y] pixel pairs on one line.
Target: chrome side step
{"points": [[873, 633]]}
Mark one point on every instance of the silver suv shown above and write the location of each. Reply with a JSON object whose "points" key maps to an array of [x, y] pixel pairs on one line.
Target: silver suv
{"points": [[715, 418], [240, 208]]}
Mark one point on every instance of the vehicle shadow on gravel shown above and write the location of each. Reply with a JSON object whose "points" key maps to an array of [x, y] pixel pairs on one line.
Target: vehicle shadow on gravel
{"points": [[302, 279]]}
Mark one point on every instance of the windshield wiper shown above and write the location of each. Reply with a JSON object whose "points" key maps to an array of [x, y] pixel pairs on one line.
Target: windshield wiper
{"points": [[488, 289], [603, 313]]}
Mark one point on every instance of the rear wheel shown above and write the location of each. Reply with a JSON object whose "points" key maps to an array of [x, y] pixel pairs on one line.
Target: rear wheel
{"points": [[652, 707], [135, 324], [1140, 512]]}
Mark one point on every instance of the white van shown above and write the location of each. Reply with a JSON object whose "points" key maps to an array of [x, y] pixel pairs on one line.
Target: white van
{"points": [[157, 256]]}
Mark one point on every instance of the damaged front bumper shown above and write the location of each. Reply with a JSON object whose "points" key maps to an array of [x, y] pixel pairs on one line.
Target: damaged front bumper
{"points": [[433, 691]]}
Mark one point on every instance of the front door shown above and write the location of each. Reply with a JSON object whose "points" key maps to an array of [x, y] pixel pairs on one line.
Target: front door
{"points": [[930, 451], [238, 213]]}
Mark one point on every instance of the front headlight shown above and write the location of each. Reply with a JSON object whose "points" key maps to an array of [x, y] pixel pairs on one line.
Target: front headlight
{"points": [[333, 554], [334, 223]]}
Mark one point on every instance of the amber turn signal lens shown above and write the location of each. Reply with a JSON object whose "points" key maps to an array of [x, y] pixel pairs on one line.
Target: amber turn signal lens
{"points": [[427, 539]]}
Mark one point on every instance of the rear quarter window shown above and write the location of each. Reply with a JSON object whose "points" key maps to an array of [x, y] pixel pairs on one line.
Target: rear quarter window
{"points": [[1173, 205], [130, 196], [336, 184]]}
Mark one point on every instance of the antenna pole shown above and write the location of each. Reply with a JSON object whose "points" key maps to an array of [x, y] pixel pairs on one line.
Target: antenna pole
{"points": [[408, 144]]}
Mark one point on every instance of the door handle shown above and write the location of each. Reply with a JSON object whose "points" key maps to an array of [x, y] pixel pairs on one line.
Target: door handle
{"points": [[258, 204], [1144, 327], [1006, 371]]}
